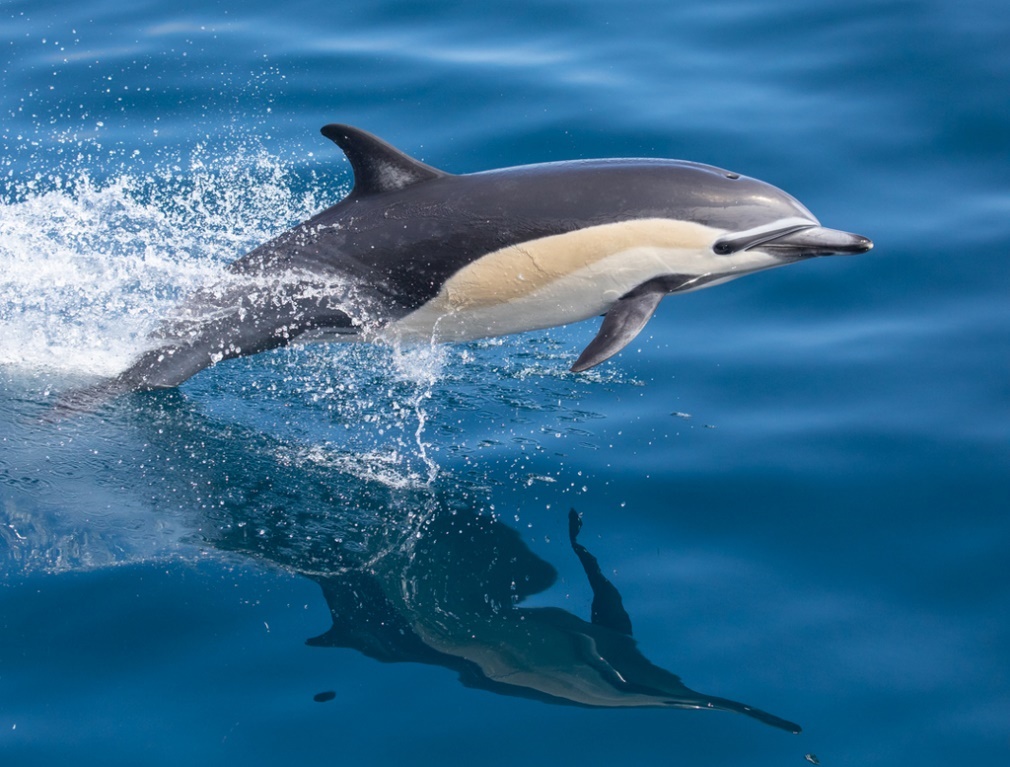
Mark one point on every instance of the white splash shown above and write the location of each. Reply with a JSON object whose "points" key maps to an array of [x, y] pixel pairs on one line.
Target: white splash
{"points": [[87, 268], [422, 367]]}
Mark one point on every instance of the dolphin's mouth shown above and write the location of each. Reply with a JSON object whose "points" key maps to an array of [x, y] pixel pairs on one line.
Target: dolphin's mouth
{"points": [[796, 241], [817, 241]]}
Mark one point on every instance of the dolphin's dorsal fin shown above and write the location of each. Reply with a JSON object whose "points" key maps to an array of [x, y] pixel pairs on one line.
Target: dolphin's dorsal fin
{"points": [[378, 167]]}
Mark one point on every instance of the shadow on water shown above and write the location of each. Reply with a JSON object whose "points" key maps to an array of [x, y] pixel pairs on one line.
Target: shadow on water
{"points": [[412, 572]]}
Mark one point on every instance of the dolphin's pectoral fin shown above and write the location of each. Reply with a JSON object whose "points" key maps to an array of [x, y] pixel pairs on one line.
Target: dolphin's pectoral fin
{"points": [[378, 166], [608, 607], [621, 324]]}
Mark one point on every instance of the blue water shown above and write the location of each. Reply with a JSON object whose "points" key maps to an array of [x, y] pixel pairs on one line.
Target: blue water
{"points": [[798, 482]]}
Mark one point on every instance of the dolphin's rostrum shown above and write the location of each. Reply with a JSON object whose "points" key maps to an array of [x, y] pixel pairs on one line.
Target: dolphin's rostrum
{"points": [[417, 254]]}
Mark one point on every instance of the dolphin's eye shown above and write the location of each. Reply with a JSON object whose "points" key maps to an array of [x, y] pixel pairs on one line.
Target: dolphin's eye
{"points": [[759, 235], [732, 175]]}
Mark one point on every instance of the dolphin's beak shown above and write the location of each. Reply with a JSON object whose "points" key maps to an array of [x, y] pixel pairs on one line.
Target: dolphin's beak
{"points": [[815, 241]]}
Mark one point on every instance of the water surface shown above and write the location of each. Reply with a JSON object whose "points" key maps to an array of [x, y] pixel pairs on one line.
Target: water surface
{"points": [[796, 483]]}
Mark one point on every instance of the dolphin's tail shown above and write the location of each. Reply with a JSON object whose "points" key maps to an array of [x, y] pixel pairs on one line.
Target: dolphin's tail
{"points": [[86, 399], [215, 326], [162, 368]]}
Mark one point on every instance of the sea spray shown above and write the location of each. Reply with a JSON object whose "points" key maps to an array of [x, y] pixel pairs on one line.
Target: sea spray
{"points": [[89, 267]]}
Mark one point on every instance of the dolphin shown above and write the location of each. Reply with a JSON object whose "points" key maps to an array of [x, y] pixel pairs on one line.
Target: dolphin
{"points": [[416, 254]]}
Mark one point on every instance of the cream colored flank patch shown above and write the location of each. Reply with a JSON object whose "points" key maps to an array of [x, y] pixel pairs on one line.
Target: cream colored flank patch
{"points": [[518, 270], [560, 279]]}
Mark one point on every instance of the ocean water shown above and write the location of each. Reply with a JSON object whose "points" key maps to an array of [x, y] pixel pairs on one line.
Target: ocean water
{"points": [[795, 486]]}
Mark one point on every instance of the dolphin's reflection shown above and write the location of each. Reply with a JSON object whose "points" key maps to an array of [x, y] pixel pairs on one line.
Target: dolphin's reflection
{"points": [[410, 574], [455, 601]]}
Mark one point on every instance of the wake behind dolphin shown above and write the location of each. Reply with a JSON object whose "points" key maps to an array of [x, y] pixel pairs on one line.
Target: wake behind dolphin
{"points": [[416, 254]]}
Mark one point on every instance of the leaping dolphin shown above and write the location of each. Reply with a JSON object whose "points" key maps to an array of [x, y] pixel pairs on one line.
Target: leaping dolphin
{"points": [[417, 254]]}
